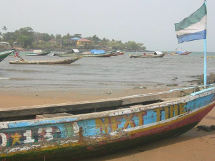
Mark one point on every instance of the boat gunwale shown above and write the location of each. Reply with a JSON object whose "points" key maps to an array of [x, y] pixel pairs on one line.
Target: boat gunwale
{"points": [[110, 113], [5, 53]]}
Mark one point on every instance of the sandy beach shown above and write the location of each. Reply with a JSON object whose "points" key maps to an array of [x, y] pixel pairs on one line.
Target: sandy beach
{"points": [[15, 97], [195, 145]]}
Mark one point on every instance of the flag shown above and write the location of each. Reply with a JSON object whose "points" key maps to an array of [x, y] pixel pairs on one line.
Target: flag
{"points": [[192, 27]]}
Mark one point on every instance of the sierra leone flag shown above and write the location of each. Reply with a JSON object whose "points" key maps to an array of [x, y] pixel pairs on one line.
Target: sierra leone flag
{"points": [[192, 27]]}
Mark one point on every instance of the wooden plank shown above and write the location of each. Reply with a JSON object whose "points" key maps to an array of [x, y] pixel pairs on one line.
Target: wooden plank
{"points": [[60, 108], [87, 107]]}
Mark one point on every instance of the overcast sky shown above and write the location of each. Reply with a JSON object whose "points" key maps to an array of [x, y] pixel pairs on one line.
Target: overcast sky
{"points": [[144, 21]]}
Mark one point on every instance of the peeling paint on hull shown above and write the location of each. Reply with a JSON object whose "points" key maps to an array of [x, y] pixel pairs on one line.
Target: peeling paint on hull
{"points": [[88, 135], [106, 148]]}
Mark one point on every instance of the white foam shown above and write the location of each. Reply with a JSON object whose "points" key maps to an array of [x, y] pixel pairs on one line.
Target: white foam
{"points": [[4, 78]]}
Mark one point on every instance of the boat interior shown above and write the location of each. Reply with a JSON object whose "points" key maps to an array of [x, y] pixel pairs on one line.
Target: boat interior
{"points": [[87, 107]]}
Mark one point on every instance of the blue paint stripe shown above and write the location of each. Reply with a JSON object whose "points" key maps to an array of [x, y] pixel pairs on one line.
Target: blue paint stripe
{"points": [[39, 122], [199, 102], [191, 37]]}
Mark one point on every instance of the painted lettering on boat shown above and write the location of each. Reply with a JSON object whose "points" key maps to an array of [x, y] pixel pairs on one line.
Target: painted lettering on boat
{"points": [[3, 138], [111, 124], [38, 134], [114, 123], [85, 128], [171, 111]]}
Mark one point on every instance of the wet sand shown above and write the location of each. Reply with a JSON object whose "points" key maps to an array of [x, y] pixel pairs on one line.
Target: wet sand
{"points": [[194, 145]]}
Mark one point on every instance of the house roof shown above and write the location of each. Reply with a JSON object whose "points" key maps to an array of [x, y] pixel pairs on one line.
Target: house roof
{"points": [[84, 40]]}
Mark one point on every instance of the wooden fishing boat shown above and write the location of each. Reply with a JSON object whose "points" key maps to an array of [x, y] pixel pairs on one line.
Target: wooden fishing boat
{"points": [[87, 129], [181, 53], [37, 53], [4, 54], [154, 55], [46, 62], [120, 52], [98, 55], [186, 53], [68, 54], [86, 54]]}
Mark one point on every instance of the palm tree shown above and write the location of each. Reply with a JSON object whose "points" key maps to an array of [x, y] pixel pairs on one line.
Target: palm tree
{"points": [[4, 28]]}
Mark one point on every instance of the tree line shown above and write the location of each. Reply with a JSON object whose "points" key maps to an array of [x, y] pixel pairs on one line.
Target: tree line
{"points": [[29, 39]]}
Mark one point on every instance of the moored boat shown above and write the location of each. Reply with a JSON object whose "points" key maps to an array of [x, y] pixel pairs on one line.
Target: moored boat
{"points": [[186, 53], [120, 52], [98, 55], [181, 53], [68, 54], [46, 62], [87, 54], [156, 54], [80, 130], [37, 53], [4, 54]]}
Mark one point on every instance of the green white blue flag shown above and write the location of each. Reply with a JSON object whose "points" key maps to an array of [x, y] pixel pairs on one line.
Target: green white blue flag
{"points": [[192, 27]]}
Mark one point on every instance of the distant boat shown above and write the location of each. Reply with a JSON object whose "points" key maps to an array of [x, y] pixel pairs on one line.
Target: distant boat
{"points": [[68, 54], [92, 53], [98, 55], [156, 54], [120, 52], [46, 62], [37, 53], [181, 53], [4, 54]]}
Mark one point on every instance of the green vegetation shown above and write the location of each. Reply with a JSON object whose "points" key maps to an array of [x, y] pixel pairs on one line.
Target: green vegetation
{"points": [[28, 39]]}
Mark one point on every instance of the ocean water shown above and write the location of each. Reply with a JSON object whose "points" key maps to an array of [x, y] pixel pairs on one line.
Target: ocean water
{"points": [[104, 73]]}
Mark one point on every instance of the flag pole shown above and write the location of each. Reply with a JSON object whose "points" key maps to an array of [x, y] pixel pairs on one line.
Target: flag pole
{"points": [[205, 59], [205, 63]]}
